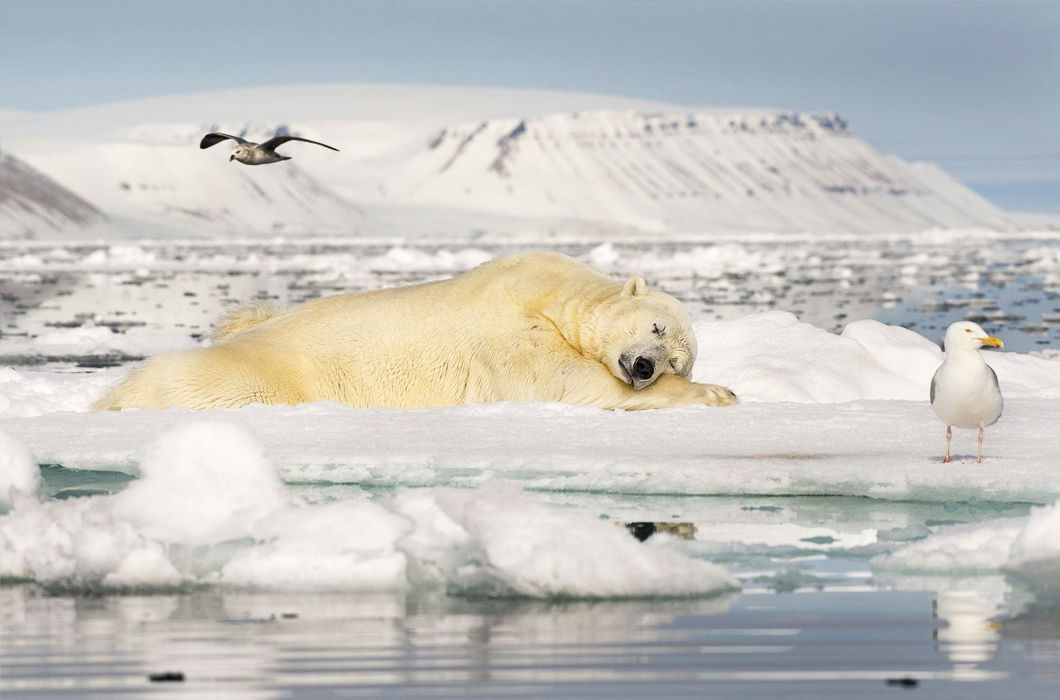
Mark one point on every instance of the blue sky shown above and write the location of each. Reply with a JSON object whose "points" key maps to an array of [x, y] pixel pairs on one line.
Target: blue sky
{"points": [[974, 86]]}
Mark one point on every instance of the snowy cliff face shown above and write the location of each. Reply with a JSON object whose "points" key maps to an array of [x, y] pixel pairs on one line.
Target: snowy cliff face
{"points": [[418, 160], [32, 203], [689, 172]]}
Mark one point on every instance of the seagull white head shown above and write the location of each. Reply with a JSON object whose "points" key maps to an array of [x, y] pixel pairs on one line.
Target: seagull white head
{"points": [[965, 335], [240, 153]]}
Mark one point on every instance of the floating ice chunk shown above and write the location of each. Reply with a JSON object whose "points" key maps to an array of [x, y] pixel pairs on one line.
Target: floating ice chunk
{"points": [[414, 259], [1027, 548], [203, 482], [18, 468], [1035, 555], [706, 261], [348, 545], [85, 340], [120, 256], [959, 549], [210, 508], [144, 567], [515, 545], [72, 543]]}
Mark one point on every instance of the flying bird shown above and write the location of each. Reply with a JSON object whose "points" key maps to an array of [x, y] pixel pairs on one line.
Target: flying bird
{"points": [[252, 153], [964, 390]]}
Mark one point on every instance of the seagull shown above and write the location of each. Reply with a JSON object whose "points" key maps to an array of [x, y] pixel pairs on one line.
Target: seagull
{"points": [[255, 153], [964, 390]]}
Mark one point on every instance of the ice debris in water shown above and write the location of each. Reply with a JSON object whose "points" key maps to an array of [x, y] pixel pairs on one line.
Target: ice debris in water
{"points": [[1025, 548], [18, 468], [210, 507]]}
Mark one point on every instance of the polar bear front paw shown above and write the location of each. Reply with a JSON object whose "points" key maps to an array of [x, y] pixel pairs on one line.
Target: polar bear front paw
{"points": [[715, 395]]}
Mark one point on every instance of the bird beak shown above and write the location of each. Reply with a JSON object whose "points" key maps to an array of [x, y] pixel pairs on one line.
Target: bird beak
{"points": [[231, 158], [991, 340]]}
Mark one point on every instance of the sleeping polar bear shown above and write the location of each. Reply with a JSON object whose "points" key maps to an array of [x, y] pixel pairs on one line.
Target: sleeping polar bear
{"points": [[528, 327]]}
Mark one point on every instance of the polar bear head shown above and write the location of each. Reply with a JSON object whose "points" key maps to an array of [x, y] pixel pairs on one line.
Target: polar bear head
{"points": [[643, 334]]}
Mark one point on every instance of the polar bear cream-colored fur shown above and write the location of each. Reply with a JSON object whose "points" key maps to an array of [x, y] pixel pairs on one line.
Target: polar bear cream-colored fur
{"points": [[528, 327]]}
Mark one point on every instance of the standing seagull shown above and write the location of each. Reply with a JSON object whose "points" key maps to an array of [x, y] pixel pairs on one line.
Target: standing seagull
{"points": [[964, 390], [255, 153]]}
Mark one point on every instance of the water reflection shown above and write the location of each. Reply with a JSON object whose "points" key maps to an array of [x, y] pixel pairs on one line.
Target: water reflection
{"points": [[255, 644], [971, 636]]}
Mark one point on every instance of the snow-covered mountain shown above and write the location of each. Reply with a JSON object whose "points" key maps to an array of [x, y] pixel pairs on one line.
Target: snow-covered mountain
{"points": [[687, 170], [417, 159], [33, 204]]}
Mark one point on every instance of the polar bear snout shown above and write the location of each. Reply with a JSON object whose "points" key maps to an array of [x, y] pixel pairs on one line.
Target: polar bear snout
{"points": [[638, 368], [643, 368]]}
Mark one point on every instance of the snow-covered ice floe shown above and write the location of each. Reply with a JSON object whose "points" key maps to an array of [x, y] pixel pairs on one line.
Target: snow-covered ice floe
{"points": [[823, 414]]}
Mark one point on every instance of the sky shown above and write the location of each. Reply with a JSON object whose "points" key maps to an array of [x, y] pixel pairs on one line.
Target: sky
{"points": [[973, 86]]}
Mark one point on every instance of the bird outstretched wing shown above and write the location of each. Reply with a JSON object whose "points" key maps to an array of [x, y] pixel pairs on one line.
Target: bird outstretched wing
{"points": [[218, 137], [280, 140]]}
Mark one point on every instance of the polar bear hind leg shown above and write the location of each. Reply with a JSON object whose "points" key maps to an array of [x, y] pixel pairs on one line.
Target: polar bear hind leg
{"points": [[199, 379]]}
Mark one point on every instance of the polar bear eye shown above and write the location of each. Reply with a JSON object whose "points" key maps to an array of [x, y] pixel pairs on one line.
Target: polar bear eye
{"points": [[658, 331]]}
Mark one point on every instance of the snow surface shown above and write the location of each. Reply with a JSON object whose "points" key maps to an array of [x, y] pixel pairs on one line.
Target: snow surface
{"points": [[427, 160]]}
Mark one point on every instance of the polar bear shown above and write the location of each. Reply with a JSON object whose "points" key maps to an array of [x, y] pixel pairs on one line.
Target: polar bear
{"points": [[527, 327]]}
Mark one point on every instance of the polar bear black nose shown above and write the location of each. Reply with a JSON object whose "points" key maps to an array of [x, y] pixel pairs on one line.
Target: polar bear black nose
{"points": [[643, 368]]}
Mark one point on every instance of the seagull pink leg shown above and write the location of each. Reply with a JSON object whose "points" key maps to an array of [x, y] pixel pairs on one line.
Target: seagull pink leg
{"points": [[949, 434], [979, 452]]}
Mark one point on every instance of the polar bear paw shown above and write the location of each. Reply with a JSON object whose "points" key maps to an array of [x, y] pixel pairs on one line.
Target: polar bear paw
{"points": [[715, 395]]}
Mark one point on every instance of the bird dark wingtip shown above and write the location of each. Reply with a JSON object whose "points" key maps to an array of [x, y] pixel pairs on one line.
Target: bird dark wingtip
{"points": [[216, 137]]}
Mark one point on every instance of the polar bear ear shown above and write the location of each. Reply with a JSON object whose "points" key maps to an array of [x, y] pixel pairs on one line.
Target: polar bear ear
{"points": [[635, 286]]}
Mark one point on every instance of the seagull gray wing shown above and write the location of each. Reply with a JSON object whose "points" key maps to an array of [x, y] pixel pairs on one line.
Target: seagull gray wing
{"points": [[280, 140], [934, 380], [218, 137]]}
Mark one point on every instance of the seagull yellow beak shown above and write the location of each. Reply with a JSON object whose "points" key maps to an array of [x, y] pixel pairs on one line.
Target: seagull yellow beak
{"points": [[991, 340]]}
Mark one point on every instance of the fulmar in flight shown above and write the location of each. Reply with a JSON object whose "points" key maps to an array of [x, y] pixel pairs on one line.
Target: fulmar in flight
{"points": [[252, 153]]}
